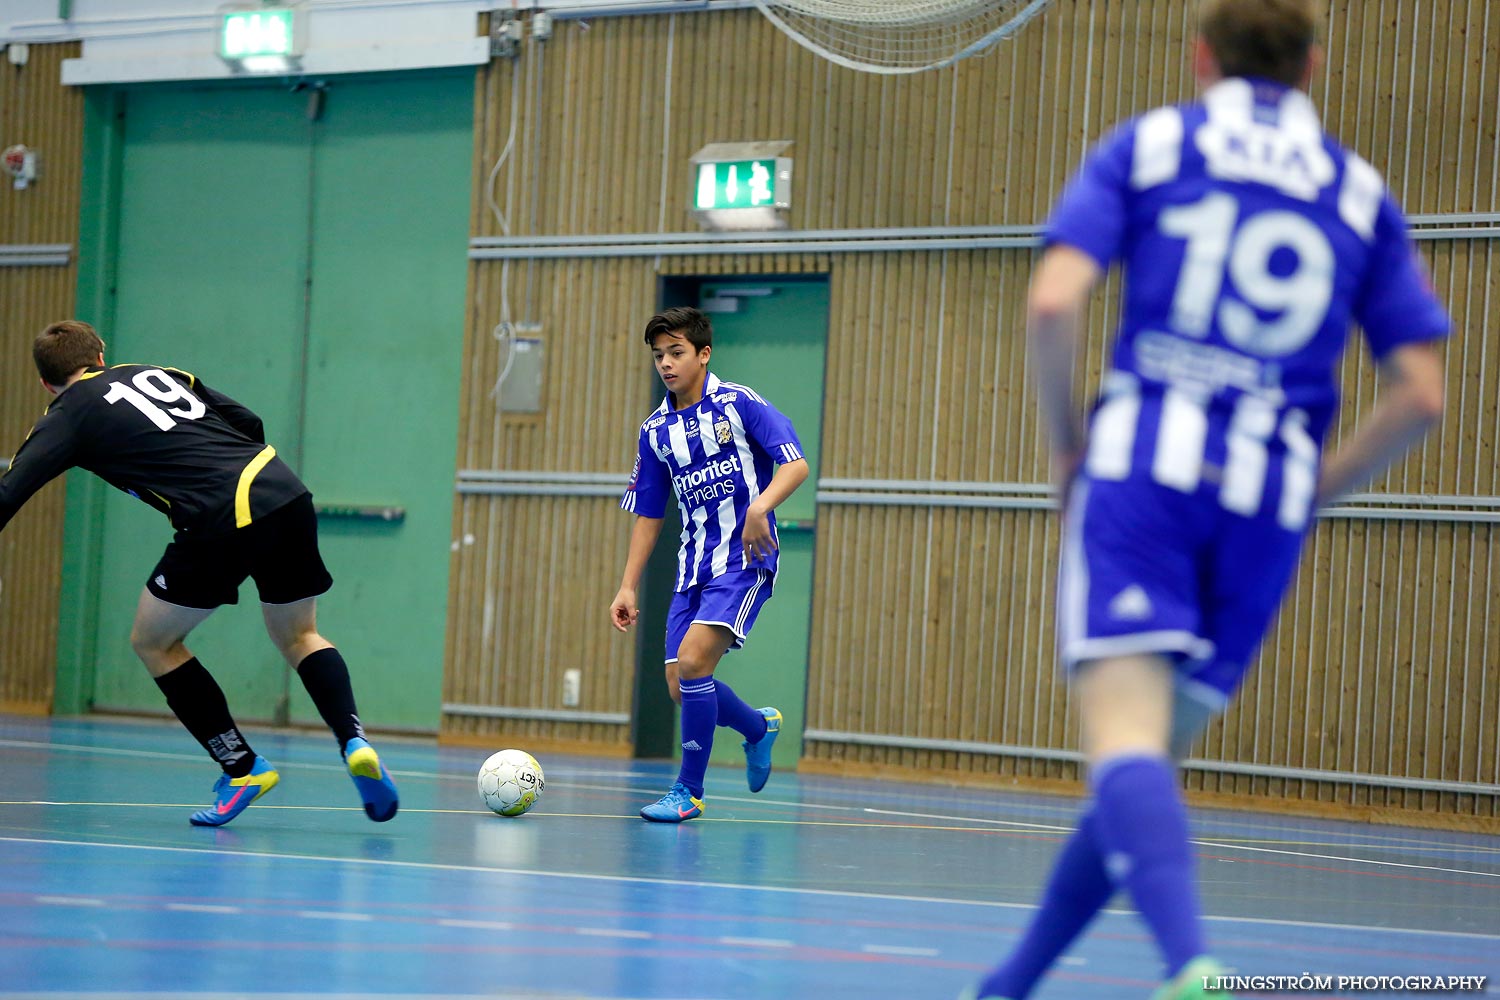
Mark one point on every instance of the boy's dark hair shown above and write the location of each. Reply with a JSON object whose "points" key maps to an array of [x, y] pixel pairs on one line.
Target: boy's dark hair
{"points": [[690, 322], [63, 348], [1270, 39]]}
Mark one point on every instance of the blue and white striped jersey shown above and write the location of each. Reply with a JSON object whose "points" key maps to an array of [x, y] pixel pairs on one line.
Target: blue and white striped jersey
{"points": [[1250, 241], [717, 456]]}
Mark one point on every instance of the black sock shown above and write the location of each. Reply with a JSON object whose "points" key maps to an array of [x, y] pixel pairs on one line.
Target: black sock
{"points": [[198, 701], [327, 681]]}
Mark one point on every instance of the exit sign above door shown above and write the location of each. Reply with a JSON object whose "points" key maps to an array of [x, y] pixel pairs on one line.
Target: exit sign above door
{"points": [[260, 32]]}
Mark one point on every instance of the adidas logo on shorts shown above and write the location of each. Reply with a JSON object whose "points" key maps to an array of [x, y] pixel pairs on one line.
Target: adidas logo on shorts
{"points": [[160, 581], [1131, 605], [691, 745]]}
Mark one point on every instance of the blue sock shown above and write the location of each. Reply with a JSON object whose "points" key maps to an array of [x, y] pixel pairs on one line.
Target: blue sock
{"points": [[1078, 889], [700, 714], [1143, 830], [737, 715]]}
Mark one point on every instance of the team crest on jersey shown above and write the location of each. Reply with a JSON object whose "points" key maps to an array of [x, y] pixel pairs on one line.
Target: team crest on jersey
{"points": [[722, 431]]}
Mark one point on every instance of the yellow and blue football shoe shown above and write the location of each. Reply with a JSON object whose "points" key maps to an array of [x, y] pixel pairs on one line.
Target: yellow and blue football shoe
{"points": [[233, 795], [758, 755], [372, 780]]}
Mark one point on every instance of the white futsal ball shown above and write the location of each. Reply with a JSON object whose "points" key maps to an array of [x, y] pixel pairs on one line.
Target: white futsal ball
{"points": [[510, 782]]}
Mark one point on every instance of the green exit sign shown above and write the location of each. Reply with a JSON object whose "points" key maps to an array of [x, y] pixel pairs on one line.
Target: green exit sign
{"points": [[259, 32], [761, 183]]}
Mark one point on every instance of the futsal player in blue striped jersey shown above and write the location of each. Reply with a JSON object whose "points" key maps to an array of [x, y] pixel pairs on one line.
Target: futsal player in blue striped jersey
{"points": [[1250, 240], [731, 458]]}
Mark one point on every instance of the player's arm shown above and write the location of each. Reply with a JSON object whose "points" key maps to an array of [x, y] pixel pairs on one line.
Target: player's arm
{"points": [[1054, 315], [1405, 325], [625, 609], [237, 415], [1085, 233], [757, 539], [770, 428], [47, 452], [1410, 402], [646, 497]]}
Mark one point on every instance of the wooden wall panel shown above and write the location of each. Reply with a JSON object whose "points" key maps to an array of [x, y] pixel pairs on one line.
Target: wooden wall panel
{"points": [[609, 111], [927, 375], [37, 110]]}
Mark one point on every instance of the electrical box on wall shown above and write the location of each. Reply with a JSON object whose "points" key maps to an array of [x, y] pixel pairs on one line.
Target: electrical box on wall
{"points": [[522, 392]]}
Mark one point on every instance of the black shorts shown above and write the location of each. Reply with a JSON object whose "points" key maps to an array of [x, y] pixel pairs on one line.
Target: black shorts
{"points": [[279, 551]]}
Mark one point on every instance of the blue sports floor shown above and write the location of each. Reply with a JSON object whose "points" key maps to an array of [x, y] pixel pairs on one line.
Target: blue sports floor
{"points": [[816, 888]]}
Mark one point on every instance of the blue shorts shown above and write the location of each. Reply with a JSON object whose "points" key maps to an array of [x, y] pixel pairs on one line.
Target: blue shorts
{"points": [[732, 600], [1148, 569]]}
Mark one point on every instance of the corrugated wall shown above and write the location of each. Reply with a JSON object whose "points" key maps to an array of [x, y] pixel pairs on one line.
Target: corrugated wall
{"points": [[927, 381], [37, 110]]}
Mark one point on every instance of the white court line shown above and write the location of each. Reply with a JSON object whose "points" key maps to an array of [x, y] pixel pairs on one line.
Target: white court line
{"points": [[755, 942], [483, 925], [1335, 857], [691, 883], [202, 908], [358, 918], [614, 932], [1050, 828], [896, 949], [1210, 843], [69, 901]]}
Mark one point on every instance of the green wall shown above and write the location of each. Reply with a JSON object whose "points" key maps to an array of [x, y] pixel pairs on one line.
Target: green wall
{"points": [[296, 261]]}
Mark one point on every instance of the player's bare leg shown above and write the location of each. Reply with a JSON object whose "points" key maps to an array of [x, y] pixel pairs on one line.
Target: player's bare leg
{"points": [[159, 630], [294, 629], [674, 685], [157, 637]]}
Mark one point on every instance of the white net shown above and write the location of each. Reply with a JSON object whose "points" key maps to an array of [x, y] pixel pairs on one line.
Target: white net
{"points": [[899, 36]]}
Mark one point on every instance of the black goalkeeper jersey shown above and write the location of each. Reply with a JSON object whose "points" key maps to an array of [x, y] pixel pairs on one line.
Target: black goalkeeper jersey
{"points": [[165, 438]]}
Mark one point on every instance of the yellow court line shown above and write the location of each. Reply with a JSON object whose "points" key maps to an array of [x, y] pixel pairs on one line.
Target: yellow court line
{"points": [[1369, 841], [264, 807]]}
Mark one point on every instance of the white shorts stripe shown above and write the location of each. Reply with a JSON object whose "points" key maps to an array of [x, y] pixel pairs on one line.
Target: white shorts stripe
{"points": [[748, 604], [1073, 581]]}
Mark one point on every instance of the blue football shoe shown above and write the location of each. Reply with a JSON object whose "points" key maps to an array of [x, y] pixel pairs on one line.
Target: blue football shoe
{"points": [[758, 755], [233, 795], [674, 807], [372, 779]]}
